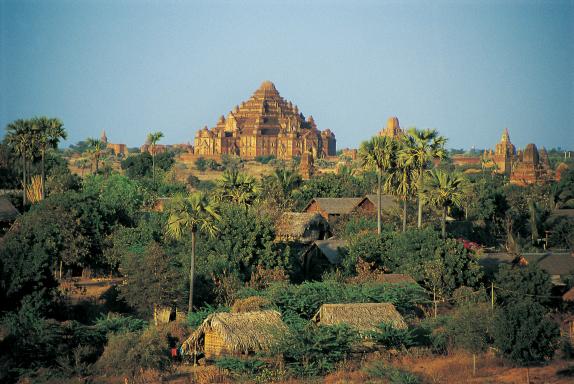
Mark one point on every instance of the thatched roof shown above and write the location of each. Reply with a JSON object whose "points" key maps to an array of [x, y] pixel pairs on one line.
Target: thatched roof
{"points": [[332, 249], [362, 316], [241, 332], [336, 205], [388, 202], [7, 211], [295, 226]]}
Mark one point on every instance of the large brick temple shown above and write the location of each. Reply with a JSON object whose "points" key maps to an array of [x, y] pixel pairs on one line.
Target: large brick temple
{"points": [[265, 125]]}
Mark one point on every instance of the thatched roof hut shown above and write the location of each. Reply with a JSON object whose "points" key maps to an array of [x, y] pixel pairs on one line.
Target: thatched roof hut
{"points": [[322, 255], [235, 333], [302, 227], [361, 316]]}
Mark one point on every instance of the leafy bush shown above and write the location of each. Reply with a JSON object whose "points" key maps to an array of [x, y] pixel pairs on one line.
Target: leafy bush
{"points": [[390, 337], [131, 352], [195, 318], [305, 299], [310, 350], [114, 323], [524, 334], [264, 159], [381, 370], [240, 366], [514, 283]]}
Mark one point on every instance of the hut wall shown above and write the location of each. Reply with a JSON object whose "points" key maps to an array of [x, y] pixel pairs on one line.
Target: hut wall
{"points": [[215, 345]]}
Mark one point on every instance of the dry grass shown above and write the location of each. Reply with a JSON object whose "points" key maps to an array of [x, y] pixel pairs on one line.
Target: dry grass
{"points": [[457, 368]]}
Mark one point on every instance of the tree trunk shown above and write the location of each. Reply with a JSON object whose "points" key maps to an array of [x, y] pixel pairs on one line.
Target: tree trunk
{"points": [[153, 165], [24, 180], [443, 223], [191, 273], [405, 214], [61, 269], [420, 202], [97, 163], [44, 177], [379, 176]]}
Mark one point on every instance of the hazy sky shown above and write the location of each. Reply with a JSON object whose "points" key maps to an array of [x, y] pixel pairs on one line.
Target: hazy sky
{"points": [[467, 68]]}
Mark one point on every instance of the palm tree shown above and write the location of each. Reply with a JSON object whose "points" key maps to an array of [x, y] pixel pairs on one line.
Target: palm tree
{"points": [[152, 139], [401, 182], [82, 164], [444, 190], [380, 153], [421, 148], [237, 187], [20, 137], [96, 146], [194, 213], [287, 179], [49, 132]]}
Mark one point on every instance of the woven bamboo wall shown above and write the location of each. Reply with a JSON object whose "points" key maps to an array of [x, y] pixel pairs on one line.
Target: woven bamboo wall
{"points": [[215, 346]]}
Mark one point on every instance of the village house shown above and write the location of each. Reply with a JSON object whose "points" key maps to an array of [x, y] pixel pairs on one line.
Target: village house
{"points": [[322, 256], [364, 317], [235, 334], [331, 208], [301, 227]]}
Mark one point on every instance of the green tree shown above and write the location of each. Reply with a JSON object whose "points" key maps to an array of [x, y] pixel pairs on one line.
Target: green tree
{"points": [[401, 182], [151, 279], [49, 131], [379, 153], [20, 138], [153, 139], [96, 146], [470, 328], [444, 190], [421, 148], [523, 333], [514, 282], [237, 187], [191, 213]]}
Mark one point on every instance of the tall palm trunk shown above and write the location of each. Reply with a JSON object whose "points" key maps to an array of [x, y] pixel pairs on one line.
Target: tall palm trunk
{"points": [[191, 272], [97, 158], [379, 176], [443, 223], [153, 165], [43, 176], [420, 202], [24, 180], [405, 214]]}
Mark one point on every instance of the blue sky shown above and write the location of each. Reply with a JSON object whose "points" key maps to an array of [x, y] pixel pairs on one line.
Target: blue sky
{"points": [[467, 68]]}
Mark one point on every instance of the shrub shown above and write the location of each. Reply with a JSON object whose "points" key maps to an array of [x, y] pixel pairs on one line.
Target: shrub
{"points": [[240, 366], [113, 323], [524, 334], [514, 283], [381, 370], [390, 337], [132, 352], [195, 318], [310, 350], [201, 164], [264, 159]]}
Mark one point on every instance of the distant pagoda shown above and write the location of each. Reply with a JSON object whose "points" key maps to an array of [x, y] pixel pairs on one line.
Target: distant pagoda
{"points": [[265, 125]]}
